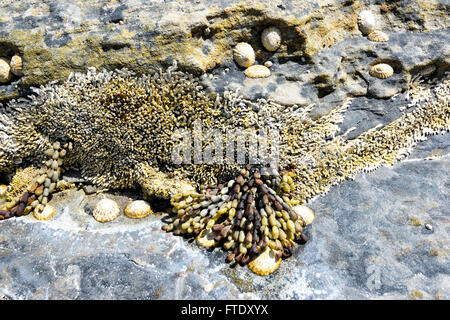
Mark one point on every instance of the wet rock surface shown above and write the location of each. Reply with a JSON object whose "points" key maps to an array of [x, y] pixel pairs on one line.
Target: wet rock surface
{"points": [[369, 239], [55, 38], [365, 247]]}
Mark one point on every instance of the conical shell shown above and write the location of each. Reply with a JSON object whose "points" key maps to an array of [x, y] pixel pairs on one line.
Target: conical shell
{"points": [[16, 65], [257, 71], [45, 214], [137, 209], [271, 38], [378, 36], [265, 264], [244, 55], [106, 210], [366, 22], [381, 70], [5, 71]]}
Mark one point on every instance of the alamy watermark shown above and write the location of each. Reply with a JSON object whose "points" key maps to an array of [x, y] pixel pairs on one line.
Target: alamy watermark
{"points": [[202, 145]]}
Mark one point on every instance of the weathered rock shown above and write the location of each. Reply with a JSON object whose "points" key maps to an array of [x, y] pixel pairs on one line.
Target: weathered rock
{"points": [[359, 248], [55, 39]]}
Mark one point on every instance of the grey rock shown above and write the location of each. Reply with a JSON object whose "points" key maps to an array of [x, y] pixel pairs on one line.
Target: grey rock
{"points": [[361, 247]]}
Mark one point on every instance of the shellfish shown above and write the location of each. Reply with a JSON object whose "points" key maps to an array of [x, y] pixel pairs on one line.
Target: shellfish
{"points": [[257, 71], [244, 55], [271, 38], [5, 71], [106, 210], [381, 70], [137, 209], [306, 213], [265, 264], [366, 22], [378, 36], [16, 65], [44, 214]]}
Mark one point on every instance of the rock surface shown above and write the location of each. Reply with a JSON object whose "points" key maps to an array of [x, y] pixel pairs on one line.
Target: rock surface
{"points": [[55, 37], [360, 248]]}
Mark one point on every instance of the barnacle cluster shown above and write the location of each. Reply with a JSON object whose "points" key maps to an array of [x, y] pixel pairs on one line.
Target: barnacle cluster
{"points": [[118, 130], [119, 124], [253, 215]]}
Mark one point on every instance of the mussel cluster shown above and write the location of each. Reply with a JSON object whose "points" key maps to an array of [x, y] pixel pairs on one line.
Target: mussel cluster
{"points": [[244, 216], [39, 192]]}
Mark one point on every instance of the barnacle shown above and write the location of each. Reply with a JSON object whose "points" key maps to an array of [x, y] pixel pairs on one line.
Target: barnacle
{"points": [[118, 130]]}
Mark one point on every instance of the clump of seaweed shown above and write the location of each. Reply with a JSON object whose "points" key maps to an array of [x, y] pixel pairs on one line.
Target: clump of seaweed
{"points": [[117, 129]]}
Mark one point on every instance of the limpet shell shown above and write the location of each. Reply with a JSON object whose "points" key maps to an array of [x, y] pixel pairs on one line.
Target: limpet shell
{"points": [[265, 264], [381, 70], [244, 55], [206, 238], [366, 21], [106, 210], [257, 71], [5, 71], [268, 64], [378, 36], [306, 213], [16, 65], [271, 38], [45, 214], [137, 209]]}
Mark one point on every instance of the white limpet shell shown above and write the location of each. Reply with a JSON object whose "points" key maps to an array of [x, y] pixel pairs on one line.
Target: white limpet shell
{"points": [[244, 55], [5, 71], [366, 22], [378, 36], [381, 70], [106, 210], [257, 71], [45, 214], [306, 213], [138, 209], [16, 65], [271, 38]]}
